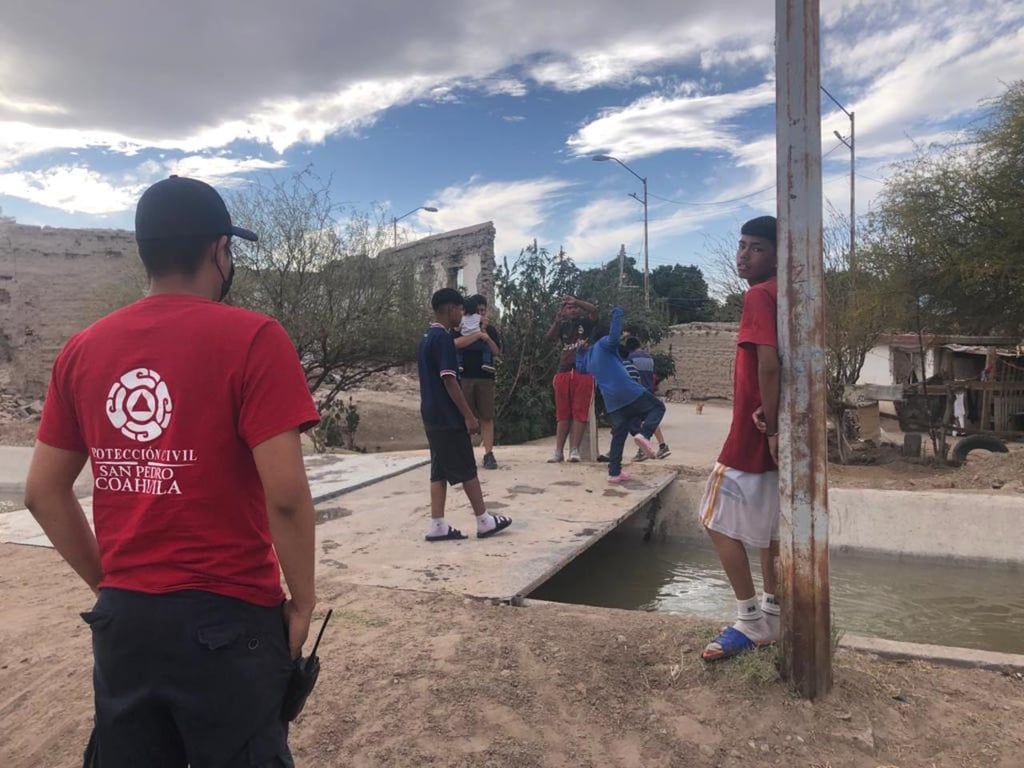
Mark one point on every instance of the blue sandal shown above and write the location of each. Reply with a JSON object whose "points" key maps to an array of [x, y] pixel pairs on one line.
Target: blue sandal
{"points": [[730, 642]]}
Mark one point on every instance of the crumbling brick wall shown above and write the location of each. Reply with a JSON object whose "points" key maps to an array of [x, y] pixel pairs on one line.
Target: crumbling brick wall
{"points": [[466, 253], [704, 355], [53, 283]]}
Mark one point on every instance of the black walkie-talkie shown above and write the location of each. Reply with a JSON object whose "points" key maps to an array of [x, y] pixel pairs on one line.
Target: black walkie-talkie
{"points": [[305, 672]]}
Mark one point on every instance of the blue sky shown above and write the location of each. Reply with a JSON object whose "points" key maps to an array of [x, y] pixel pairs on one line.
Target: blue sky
{"points": [[487, 111]]}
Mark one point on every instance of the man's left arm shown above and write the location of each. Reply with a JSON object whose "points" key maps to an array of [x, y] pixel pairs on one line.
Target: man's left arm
{"points": [[50, 497], [493, 341], [611, 341], [586, 306], [462, 342], [768, 376]]}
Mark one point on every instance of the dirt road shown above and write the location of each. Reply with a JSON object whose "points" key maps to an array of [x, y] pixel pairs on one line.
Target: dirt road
{"points": [[415, 679]]}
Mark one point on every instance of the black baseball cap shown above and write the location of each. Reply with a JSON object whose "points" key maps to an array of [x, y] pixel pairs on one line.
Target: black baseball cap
{"points": [[180, 207]]}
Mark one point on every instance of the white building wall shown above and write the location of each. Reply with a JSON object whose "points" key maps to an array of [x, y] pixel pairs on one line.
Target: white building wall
{"points": [[877, 367]]}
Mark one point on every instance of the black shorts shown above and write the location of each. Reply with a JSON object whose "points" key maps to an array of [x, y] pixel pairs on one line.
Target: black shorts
{"points": [[451, 455], [188, 678]]}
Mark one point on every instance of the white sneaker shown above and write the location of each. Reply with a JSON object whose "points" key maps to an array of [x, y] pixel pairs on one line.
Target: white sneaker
{"points": [[574, 456], [556, 458]]}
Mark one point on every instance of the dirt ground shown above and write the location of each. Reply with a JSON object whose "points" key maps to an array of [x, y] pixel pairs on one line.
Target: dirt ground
{"points": [[17, 431], [390, 421], [994, 472], [414, 679]]}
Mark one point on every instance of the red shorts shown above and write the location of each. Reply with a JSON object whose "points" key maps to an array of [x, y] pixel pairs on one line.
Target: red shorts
{"points": [[573, 393]]}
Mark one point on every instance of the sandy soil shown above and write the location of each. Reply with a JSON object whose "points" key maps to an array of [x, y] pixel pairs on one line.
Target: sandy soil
{"points": [[17, 431], [390, 421], [413, 679], [993, 472]]}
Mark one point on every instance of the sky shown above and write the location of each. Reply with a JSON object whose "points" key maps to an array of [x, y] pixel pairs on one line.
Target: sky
{"points": [[485, 110]]}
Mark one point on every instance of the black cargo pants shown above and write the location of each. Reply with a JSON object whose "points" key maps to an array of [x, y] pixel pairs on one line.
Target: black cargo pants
{"points": [[188, 679]]}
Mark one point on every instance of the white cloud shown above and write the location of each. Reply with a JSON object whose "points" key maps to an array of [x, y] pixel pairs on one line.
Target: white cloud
{"points": [[220, 171], [21, 107], [513, 118], [602, 225], [726, 58], [100, 79], [79, 189], [507, 86], [658, 123], [520, 210], [20, 139], [71, 188]]}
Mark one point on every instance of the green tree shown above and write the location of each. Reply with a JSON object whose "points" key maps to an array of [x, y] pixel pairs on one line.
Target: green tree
{"points": [[948, 230], [528, 290], [350, 315], [729, 309], [857, 312], [601, 285], [684, 291]]}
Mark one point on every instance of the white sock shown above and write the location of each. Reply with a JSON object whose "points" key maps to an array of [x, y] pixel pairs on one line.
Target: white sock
{"points": [[748, 610], [438, 526], [485, 523], [770, 605], [752, 622]]}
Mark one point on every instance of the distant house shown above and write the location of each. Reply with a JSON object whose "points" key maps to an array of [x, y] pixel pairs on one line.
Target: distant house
{"points": [[985, 374], [897, 358]]}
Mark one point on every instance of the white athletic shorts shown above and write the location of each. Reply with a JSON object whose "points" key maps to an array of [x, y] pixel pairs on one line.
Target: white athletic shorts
{"points": [[742, 505]]}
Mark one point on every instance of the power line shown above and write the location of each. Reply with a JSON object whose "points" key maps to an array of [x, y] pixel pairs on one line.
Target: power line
{"points": [[732, 199], [715, 202]]}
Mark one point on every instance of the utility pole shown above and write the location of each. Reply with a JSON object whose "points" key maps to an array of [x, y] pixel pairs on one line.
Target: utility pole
{"points": [[647, 266], [643, 201], [850, 145], [803, 485], [622, 264]]}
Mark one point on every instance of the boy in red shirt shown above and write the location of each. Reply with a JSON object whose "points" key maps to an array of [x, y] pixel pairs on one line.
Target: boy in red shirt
{"points": [[740, 507], [190, 412]]}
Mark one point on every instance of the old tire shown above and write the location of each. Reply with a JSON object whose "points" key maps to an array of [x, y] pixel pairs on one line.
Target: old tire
{"points": [[977, 443]]}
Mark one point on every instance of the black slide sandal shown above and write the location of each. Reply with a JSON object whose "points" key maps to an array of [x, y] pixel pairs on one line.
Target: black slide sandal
{"points": [[502, 523], [454, 534]]}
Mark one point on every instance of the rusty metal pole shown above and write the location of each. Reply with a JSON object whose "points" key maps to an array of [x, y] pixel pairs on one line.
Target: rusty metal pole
{"points": [[803, 485]]}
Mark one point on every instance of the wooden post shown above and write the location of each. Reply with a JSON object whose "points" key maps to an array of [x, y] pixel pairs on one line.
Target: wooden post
{"points": [[986, 395], [589, 449], [803, 485]]}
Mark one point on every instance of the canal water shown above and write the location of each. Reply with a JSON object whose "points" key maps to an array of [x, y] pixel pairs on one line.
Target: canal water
{"points": [[920, 601], [10, 501]]}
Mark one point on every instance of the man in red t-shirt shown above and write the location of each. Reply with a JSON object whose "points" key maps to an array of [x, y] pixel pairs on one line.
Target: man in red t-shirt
{"points": [[740, 507], [190, 413]]}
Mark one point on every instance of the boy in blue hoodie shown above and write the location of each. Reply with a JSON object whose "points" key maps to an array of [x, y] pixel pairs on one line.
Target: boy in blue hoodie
{"points": [[627, 402]]}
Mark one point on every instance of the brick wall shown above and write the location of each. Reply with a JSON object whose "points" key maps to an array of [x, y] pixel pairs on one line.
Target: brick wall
{"points": [[469, 250], [54, 282], [704, 355]]}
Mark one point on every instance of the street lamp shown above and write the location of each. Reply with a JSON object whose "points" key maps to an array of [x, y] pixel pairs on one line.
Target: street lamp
{"points": [[396, 219], [850, 145], [643, 180]]}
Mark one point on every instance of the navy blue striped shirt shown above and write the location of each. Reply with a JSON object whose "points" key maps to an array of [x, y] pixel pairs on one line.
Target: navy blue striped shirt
{"points": [[437, 360]]}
